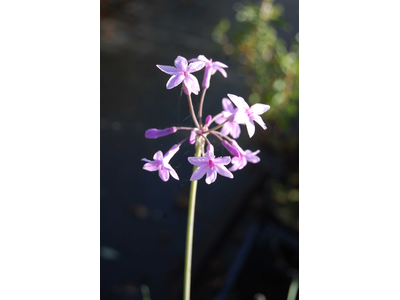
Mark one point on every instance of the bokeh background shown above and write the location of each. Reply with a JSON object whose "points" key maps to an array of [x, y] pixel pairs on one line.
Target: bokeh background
{"points": [[246, 229]]}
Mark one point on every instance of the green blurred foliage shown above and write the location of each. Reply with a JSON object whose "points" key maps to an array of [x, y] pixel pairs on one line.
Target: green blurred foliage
{"points": [[271, 71]]}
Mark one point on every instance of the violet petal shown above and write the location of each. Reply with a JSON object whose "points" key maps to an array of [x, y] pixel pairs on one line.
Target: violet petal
{"points": [[169, 69], [174, 81]]}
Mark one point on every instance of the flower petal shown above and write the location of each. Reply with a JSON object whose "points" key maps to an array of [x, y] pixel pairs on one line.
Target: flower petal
{"points": [[252, 156], [195, 66], [227, 105], [169, 70], [235, 165], [238, 101], [203, 58], [260, 121], [163, 173], [150, 166], [198, 173], [181, 63], [222, 160], [211, 176], [241, 117], [210, 153], [158, 156], [174, 174], [222, 170], [171, 152], [259, 108], [192, 84], [222, 71], [219, 64], [235, 130], [240, 162], [226, 129], [221, 117], [251, 128], [197, 161], [174, 81]]}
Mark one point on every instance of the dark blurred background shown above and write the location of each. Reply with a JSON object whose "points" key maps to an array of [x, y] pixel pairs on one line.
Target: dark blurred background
{"points": [[246, 229]]}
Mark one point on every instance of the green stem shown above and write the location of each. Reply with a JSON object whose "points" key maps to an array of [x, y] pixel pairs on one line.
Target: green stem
{"points": [[189, 233]]}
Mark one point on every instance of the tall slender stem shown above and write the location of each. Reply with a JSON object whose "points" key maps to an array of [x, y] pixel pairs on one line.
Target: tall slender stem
{"points": [[201, 105], [192, 111], [189, 233]]}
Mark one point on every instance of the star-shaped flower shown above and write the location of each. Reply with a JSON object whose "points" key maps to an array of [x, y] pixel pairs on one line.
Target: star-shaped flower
{"points": [[247, 115], [239, 162], [211, 68], [210, 165], [181, 72], [229, 127], [161, 163]]}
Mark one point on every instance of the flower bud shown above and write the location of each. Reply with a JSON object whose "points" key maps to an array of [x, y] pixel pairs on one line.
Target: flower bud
{"points": [[156, 133], [208, 121], [232, 149]]}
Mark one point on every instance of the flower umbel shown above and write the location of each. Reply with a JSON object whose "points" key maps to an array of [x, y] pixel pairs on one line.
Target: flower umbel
{"points": [[229, 121]]}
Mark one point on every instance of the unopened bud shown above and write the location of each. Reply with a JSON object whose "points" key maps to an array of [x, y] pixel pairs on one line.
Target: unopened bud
{"points": [[156, 133], [208, 121], [232, 150]]}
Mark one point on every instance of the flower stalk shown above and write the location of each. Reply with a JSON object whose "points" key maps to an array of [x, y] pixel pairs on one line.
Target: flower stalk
{"points": [[189, 232]]}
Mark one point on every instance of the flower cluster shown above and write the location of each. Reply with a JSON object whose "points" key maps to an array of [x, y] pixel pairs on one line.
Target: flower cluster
{"points": [[229, 120]]}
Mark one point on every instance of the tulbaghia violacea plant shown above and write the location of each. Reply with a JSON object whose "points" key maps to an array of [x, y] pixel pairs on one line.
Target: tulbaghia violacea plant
{"points": [[205, 163]]}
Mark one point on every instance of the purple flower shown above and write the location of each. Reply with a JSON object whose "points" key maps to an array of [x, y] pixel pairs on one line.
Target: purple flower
{"points": [[247, 115], [182, 73], [161, 164], [231, 128], [211, 68], [239, 162], [210, 165], [156, 133]]}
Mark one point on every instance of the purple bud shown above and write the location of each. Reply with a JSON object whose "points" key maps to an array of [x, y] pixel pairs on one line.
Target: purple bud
{"points": [[156, 133], [192, 138], [208, 121], [232, 150]]}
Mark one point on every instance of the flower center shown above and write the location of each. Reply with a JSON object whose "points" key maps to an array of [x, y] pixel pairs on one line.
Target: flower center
{"points": [[249, 112], [210, 164]]}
